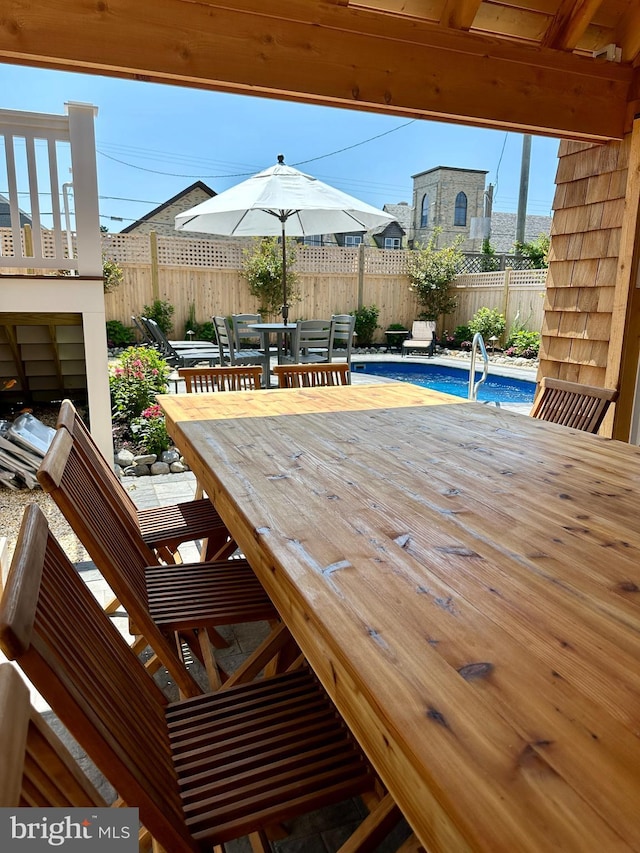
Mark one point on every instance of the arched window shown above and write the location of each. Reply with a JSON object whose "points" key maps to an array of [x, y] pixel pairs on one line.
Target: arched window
{"points": [[460, 215], [424, 213]]}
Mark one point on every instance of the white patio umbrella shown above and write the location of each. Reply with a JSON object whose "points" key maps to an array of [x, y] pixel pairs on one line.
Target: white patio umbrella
{"points": [[281, 201]]}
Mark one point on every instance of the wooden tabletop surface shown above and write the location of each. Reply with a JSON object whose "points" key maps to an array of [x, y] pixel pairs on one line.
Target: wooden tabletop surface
{"points": [[465, 581]]}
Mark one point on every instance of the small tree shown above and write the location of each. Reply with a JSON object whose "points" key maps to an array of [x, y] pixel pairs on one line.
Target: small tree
{"points": [[262, 268], [431, 272]]}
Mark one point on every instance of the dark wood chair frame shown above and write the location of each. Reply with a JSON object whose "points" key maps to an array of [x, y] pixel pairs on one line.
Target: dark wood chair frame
{"points": [[200, 380], [168, 604], [311, 375], [202, 771], [570, 404]]}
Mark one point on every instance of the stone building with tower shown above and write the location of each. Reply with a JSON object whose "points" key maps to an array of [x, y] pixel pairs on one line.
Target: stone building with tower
{"points": [[449, 199]]}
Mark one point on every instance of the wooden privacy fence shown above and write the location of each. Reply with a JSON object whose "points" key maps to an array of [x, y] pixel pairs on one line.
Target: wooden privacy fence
{"points": [[206, 274]]}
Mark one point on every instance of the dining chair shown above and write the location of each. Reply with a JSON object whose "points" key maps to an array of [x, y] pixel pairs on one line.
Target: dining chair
{"points": [[200, 380], [311, 342], [582, 407], [229, 353], [343, 333], [423, 337], [162, 528], [169, 605], [203, 770], [241, 331], [311, 375], [37, 770]]}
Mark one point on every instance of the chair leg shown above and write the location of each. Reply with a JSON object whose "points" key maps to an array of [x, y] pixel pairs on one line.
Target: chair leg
{"points": [[259, 842], [374, 828], [112, 607]]}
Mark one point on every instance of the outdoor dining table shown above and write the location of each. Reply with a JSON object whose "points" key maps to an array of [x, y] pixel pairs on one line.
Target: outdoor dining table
{"points": [[266, 330], [465, 581]]}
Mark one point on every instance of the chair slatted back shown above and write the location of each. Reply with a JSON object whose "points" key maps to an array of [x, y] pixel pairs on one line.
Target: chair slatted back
{"points": [[311, 375], [241, 332], [343, 331], [570, 404], [224, 339], [53, 627], [81, 485], [37, 769], [200, 380], [313, 339]]}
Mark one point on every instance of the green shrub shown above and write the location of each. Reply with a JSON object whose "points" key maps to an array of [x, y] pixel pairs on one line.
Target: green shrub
{"points": [[134, 382], [112, 274], [489, 322], [202, 331], [431, 272], [366, 324], [162, 312], [462, 333], [537, 251], [488, 262], [523, 343], [150, 431], [118, 335], [395, 340]]}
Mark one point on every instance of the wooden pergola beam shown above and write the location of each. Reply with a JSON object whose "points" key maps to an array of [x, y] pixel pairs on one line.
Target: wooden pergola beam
{"points": [[327, 54], [569, 23], [459, 14]]}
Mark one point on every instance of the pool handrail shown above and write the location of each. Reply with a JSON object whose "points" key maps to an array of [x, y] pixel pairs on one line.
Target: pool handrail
{"points": [[477, 344]]}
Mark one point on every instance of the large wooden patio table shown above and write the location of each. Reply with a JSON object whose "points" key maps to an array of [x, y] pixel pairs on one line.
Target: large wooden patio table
{"points": [[465, 581]]}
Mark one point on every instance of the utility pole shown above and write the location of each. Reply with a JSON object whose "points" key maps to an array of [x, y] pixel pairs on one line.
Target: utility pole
{"points": [[524, 188]]}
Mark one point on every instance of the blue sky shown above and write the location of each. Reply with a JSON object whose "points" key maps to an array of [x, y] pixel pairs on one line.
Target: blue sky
{"points": [[154, 140]]}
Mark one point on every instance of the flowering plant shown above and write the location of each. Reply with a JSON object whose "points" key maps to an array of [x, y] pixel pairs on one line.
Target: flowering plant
{"points": [[150, 431], [134, 382]]}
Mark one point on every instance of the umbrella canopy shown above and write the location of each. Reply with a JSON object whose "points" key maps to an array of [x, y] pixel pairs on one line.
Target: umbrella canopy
{"points": [[281, 201]]}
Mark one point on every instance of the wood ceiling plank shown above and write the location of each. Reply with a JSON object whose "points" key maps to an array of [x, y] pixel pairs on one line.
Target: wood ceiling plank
{"points": [[627, 34], [569, 23], [325, 54], [459, 14]]}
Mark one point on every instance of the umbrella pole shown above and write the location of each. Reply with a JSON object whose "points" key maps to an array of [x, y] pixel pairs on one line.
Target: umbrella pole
{"points": [[285, 307]]}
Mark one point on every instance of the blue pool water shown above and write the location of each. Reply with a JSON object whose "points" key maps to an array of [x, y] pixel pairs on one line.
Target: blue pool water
{"points": [[451, 380]]}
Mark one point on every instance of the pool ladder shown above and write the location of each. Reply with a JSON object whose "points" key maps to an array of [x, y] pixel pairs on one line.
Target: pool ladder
{"points": [[478, 344]]}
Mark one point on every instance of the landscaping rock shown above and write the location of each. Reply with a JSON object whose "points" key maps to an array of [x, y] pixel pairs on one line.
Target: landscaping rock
{"points": [[171, 455], [160, 468], [137, 471], [145, 459], [178, 467], [124, 458]]}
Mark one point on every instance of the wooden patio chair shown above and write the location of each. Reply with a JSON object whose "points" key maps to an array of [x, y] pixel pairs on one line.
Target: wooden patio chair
{"points": [[229, 353], [202, 771], [37, 770], [423, 337], [241, 331], [311, 375], [167, 605], [582, 407], [200, 380], [163, 528]]}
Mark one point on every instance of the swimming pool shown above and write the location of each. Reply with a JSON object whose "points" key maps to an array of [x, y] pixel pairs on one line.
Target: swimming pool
{"points": [[451, 380]]}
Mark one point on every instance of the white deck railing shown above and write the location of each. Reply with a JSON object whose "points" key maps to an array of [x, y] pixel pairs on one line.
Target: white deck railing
{"points": [[44, 161]]}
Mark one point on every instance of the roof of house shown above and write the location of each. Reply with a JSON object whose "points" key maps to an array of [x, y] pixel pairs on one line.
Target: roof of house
{"points": [[402, 213], [5, 214], [503, 229], [450, 169], [158, 210]]}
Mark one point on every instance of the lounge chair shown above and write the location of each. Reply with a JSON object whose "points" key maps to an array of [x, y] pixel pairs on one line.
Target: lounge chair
{"points": [[423, 337]]}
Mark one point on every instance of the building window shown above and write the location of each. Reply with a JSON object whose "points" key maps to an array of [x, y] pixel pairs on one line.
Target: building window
{"points": [[424, 214], [313, 240], [353, 239], [392, 242], [460, 215]]}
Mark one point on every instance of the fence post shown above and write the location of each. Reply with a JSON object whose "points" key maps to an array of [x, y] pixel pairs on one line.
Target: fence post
{"points": [[28, 244], [505, 293], [360, 275], [153, 245]]}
